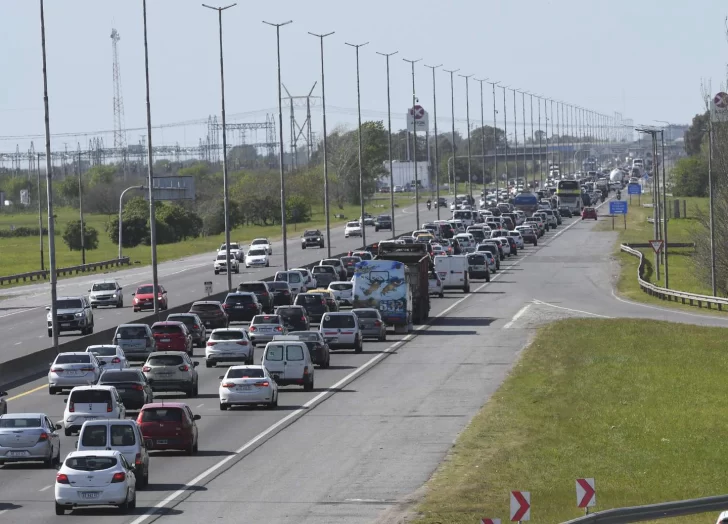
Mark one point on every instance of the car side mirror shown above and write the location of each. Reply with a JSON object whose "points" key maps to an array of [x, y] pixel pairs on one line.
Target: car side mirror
{"points": [[59, 426], [133, 294], [88, 290], [65, 401], [3, 393], [195, 364], [121, 288], [196, 417]]}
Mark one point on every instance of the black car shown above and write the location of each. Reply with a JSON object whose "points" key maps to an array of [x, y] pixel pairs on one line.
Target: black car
{"points": [[383, 222], [349, 264], [211, 313], [242, 306], [314, 304], [132, 385], [194, 324], [281, 293], [261, 290], [317, 346], [294, 317], [442, 202], [565, 212], [312, 238]]}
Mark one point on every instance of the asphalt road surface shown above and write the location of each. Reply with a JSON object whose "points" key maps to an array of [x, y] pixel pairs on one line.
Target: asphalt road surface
{"points": [[378, 423]]}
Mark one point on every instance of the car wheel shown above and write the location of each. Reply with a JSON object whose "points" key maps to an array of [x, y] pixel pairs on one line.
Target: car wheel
{"points": [[132, 504], [359, 346], [441, 295], [308, 385], [67, 432], [217, 272], [487, 276], [50, 332], [119, 305], [60, 510], [136, 310], [208, 364], [93, 306], [125, 506], [273, 403], [383, 337], [51, 391], [223, 406], [303, 246], [51, 461]]}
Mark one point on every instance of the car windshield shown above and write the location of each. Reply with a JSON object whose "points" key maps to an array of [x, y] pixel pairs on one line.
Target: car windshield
{"points": [[131, 332], [312, 233], [310, 298], [222, 257], [257, 253], [253, 287], [259, 242], [338, 321], [205, 307], [341, 286], [69, 304], [245, 373], [235, 334], [103, 351], [87, 463], [188, 320], [72, 359], [162, 415], [384, 217], [352, 224], [144, 290], [166, 330], [165, 360], [265, 319], [104, 286], [112, 377], [476, 260], [367, 313], [30, 422]]}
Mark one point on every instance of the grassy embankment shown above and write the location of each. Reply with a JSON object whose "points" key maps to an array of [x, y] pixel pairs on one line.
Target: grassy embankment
{"points": [[637, 405]]}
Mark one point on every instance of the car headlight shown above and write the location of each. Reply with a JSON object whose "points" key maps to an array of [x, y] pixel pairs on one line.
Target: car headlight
{"points": [[113, 296], [79, 315]]}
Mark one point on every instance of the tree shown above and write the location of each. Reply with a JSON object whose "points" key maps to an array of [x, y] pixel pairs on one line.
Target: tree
{"points": [[134, 231], [72, 236], [690, 177], [297, 209], [695, 133], [100, 175]]}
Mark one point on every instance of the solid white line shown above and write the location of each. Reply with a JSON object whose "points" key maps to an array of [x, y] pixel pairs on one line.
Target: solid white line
{"points": [[569, 309], [47, 487], [3, 512], [667, 310], [200, 405], [21, 311], [517, 316]]}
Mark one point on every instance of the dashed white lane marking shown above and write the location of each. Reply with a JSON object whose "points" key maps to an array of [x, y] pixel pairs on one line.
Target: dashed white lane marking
{"points": [[517, 316], [46, 488]]}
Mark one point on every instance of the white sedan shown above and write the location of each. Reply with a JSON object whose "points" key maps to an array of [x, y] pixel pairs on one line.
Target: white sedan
{"points": [[257, 257], [247, 385], [111, 354], [262, 243], [352, 229], [95, 478]]}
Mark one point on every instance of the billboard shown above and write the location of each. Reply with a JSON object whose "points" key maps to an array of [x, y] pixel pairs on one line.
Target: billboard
{"points": [[418, 120], [24, 197], [173, 188]]}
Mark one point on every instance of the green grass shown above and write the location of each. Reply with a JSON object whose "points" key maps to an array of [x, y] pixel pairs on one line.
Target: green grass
{"points": [[20, 255], [636, 404]]}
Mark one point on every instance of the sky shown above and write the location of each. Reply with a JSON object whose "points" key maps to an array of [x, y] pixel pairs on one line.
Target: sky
{"points": [[645, 59]]}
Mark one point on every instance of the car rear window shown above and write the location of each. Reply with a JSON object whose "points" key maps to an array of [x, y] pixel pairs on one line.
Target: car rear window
{"points": [[323, 269], [165, 360], [239, 299], [228, 335], [166, 330], [90, 396], [122, 435], [342, 286], [132, 332], [274, 352], [294, 352], [113, 377], [253, 287], [91, 463], [266, 319], [331, 262], [20, 422], [367, 314], [246, 373], [350, 261], [94, 436], [275, 286], [73, 359], [294, 278], [102, 351], [476, 260], [306, 336], [162, 415], [205, 307], [187, 320], [338, 321], [290, 312], [309, 299]]}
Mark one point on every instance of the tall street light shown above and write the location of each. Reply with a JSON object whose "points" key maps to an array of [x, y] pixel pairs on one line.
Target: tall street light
{"points": [[454, 152], [437, 156], [467, 119], [361, 172], [40, 214], [482, 129], [505, 135], [389, 143], [515, 137], [495, 138], [49, 190], [80, 209], [523, 110], [225, 185], [280, 154], [326, 163], [533, 143], [414, 142]]}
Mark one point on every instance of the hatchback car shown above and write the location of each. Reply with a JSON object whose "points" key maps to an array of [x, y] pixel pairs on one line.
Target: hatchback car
{"points": [[282, 293], [478, 266], [589, 212], [110, 354], [172, 336], [29, 437], [309, 281], [352, 229], [295, 280], [194, 325], [242, 307], [312, 238], [294, 317], [338, 266], [528, 234], [228, 345], [73, 369], [257, 257], [144, 297], [317, 346], [171, 371], [170, 425], [131, 385], [262, 291], [493, 248], [95, 478], [136, 340], [106, 293], [343, 292], [91, 403], [341, 331], [371, 323], [314, 304], [211, 313], [565, 212], [246, 386], [264, 327]]}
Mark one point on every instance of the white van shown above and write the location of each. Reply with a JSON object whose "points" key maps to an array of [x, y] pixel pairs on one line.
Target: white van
{"points": [[467, 217], [123, 436], [296, 281], [91, 403], [453, 271], [288, 361], [458, 226]]}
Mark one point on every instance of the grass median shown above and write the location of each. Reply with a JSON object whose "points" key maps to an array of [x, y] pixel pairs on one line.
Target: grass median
{"points": [[638, 405]]}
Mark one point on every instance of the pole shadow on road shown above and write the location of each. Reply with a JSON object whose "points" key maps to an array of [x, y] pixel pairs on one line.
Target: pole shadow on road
{"points": [[463, 321], [428, 332]]}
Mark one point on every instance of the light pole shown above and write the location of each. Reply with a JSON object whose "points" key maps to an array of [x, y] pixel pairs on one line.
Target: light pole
{"points": [[49, 190], [361, 173], [326, 163], [713, 282], [414, 142], [495, 139], [533, 143], [515, 137], [121, 199], [505, 137], [540, 152], [452, 105], [523, 110], [40, 216], [389, 144], [284, 233], [226, 189], [437, 156], [482, 129], [80, 209], [467, 119]]}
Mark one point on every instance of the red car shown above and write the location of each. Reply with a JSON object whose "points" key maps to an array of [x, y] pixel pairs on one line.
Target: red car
{"points": [[172, 336], [144, 297], [169, 425], [589, 212]]}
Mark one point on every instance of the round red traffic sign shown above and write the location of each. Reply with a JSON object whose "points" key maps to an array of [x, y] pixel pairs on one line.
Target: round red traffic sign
{"points": [[721, 100], [419, 112]]}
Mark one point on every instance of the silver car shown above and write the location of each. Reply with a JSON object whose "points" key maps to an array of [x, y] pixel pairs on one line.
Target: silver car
{"points": [[264, 327], [137, 341], [228, 345], [370, 323], [69, 370], [172, 371], [106, 293], [110, 354], [29, 437]]}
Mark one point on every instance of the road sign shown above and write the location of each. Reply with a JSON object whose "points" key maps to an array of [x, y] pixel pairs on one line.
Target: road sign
{"points": [[719, 108], [418, 119], [586, 495], [617, 207], [656, 245], [520, 506], [634, 189], [208, 288], [490, 521]]}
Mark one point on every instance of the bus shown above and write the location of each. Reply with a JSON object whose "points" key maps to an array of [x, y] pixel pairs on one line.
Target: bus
{"points": [[526, 202], [569, 195]]}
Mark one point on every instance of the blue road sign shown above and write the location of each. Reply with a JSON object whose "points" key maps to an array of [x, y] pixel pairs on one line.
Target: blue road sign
{"points": [[634, 189], [617, 207]]}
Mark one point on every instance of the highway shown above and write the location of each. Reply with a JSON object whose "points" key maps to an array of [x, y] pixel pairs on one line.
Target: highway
{"points": [[378, 424]]}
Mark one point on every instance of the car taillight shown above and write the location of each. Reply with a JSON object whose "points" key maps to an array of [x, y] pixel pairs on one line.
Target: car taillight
{"points": [[118, 477], [305, 370], [108, 407], [87, 369], [184, 367], [195, 326], [252, 306], [62, 478], [137, 387], [303, 319], [262, 384], [71, 407], [43, 437], [377, 323], [138, 459], [252, 328], [264, 294], [228, 385], [323, 302], [226, 306], [115, 360], [146, 369], [210, 343], [279, 328], [57, 370], [242, 343], [286, 292]]}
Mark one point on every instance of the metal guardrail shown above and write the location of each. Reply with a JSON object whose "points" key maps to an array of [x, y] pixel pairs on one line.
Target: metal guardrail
{"points": [[82, 268], [670, 294], [654, 511]]}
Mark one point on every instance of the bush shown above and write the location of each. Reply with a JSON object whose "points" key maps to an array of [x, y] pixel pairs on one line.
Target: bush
{"points": [[22, 231], [72, 236], [297, 209], [134, 231], [690, 177]]}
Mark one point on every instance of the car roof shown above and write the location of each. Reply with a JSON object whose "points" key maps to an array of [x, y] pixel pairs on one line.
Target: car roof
{"points": [[102, 346], [206, 302], [71, 353], [260, 238], [165, 353], [23, 415], [131, 325], [168, 323], [219, 330], [96, 386], [246, 366], [244, 293], [340, 313], [95, 453], [105, 281], [165, 405]]}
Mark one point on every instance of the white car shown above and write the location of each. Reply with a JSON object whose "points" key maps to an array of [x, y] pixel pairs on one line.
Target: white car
{"points": [[309, 279], [435, 284], [73, 369], [236, 250], [95, 478], [262, 243], [517, 237], [228, 345], [110, 354], [106, 293], [246, 385], [343, 292], [221, 267], [91, 403], [257, 257], [352, 229]]}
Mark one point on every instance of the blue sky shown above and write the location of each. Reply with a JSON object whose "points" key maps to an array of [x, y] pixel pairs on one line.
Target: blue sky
{"points": [[643, 58]]}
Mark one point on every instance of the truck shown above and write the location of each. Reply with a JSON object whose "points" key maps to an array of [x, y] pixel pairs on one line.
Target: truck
{"points": [[616, 178], [396, 283], [568, 193], [526, 202]]}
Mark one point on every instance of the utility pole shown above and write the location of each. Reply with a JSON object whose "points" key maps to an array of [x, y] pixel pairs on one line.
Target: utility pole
{"points": [[414, 142], [467, 113], [495, 139], [454, 153], [361, 173], [482, 130], [389, 144], [540, 134], [523, 110], [713, 281], [80, 208], [515, 136], [505, 135], [40, 216], [437, 156], [533, 143]]}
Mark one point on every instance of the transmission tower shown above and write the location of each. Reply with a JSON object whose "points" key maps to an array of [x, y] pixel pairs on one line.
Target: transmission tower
{"points": [[300, 131], [119, 128]]}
